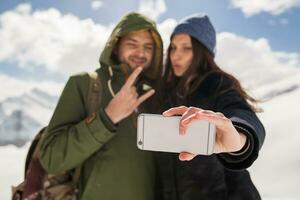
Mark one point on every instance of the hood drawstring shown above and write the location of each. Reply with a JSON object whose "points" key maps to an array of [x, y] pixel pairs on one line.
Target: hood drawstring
{"points": [[135, 113], [109, 81]]}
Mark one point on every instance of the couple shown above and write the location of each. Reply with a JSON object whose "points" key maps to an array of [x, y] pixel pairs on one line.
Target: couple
{"points": [[190, 85]]}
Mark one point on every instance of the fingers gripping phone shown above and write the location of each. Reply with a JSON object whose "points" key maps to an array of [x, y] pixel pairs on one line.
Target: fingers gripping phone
{"points": [[159, 133]]}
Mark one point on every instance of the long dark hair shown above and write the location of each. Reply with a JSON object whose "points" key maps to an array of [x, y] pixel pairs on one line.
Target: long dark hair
{"points": [[203, 66]]}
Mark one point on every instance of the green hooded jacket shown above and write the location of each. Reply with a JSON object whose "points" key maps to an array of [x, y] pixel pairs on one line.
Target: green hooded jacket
{"points": [[112, 167]]}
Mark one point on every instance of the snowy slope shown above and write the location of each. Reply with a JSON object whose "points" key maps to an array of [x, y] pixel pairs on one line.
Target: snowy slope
{"points": [[276, 172], [12, 168]]}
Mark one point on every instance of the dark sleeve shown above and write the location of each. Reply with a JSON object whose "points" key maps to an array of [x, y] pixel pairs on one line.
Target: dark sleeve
{"points": [[234, 107]]}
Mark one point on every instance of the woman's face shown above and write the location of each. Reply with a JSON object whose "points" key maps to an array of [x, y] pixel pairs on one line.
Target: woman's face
{"points": [[181, 53]]}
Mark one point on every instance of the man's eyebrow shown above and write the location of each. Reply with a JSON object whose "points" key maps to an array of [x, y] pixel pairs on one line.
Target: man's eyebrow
{"points": [[134, 40], [130, 39], [149, 44]]}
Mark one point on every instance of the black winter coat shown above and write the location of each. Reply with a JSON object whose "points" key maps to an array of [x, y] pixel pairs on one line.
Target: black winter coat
{"points": [[214, 177]]}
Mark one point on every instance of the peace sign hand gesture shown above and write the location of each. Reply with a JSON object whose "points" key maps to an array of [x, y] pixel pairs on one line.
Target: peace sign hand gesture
{"points": [[127, 99]]}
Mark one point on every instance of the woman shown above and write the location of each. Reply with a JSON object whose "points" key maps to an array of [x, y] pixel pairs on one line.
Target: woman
{"points": [[194, 87]]}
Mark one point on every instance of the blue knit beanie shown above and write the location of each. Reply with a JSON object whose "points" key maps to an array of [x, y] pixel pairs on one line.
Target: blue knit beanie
{"points": [[199, 27]]}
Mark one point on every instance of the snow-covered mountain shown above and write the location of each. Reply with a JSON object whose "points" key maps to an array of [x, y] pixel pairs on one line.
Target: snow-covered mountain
{"points": [[263, 81], [22, 116], [1, 112]]}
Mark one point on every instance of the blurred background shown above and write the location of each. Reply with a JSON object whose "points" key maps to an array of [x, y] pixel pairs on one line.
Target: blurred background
{"points": [[44, 42]]}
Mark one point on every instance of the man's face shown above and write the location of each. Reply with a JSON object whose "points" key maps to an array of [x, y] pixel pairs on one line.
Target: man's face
{"points": [[136, 49]]}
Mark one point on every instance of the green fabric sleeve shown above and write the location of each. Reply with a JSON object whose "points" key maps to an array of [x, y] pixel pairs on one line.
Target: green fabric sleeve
{"points": [[107, 121], [70, 139]]}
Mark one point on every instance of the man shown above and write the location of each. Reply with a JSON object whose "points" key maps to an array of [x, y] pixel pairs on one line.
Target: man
{"points": [[104, 144]]}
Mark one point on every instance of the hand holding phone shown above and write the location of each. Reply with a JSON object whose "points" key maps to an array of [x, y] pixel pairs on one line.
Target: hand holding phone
{"points": [[229, 140], [159, 133]]}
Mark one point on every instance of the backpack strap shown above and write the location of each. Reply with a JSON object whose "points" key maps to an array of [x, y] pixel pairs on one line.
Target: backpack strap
{"points": [[92, 105], [94, 97]]}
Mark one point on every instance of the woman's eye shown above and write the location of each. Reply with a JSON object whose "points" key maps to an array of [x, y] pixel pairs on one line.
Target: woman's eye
{"points": [[187, 48]]}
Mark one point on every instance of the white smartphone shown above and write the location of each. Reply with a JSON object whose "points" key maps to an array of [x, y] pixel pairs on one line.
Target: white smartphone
{"points": [[158, 133]]}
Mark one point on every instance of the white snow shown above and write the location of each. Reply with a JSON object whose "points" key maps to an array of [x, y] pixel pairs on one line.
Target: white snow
{"points": [[276, 172], [12, 168]]}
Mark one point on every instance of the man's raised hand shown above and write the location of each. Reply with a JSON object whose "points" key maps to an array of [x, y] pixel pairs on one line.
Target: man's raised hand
{"points": [[127, 99]]}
